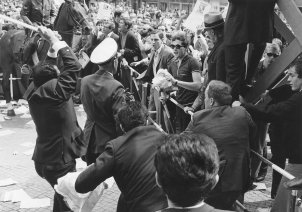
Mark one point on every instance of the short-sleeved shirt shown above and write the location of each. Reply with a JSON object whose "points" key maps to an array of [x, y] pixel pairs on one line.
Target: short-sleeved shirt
{"points": [[38, 11], [184, 72]]}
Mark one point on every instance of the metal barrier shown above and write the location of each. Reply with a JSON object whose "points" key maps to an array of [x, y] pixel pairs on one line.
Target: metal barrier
{"points": [[11, 87]]}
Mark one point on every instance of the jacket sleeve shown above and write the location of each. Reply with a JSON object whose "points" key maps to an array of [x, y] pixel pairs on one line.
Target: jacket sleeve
{"points": [[67, 80], [96, 173], [275, 112]]}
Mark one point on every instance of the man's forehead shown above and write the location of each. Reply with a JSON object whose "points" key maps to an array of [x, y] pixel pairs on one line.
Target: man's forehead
{"points": [[292, 70]]}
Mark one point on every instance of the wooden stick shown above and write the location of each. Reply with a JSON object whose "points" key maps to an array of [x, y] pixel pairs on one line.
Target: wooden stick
{"points": [[6, 18]]}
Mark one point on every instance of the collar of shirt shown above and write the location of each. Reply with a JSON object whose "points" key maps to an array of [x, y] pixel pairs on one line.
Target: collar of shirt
{"points": [[109, 34], [159, 50], [172, 205]]}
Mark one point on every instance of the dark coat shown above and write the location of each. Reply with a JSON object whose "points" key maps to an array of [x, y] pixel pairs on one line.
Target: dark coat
{"points": [[204, 208], [129, 159], [165, 57], [231, 129], [289, 112], [60, 139], [216, 63], [249, 21], [102, 96], [132, 50]]}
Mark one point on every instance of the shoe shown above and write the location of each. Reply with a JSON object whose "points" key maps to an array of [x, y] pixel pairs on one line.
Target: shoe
{"points": [[260, 178]]}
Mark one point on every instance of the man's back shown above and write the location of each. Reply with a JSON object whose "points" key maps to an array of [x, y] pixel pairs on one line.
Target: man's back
{"points": [[101, 96], [230, 129], [129, 159]]}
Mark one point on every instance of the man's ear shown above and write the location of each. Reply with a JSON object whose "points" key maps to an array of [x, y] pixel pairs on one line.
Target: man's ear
{"points": [[216, 181], [212, 102], [157, 180]]}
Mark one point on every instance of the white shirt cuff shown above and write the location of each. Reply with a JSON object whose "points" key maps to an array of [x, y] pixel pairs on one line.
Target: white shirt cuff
{"points": [[53, 51]]}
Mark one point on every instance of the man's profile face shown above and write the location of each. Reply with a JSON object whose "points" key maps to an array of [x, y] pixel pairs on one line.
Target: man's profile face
{"points": [[210, 38], [123, 26], [293, 79], [156, 41], [207, 102]]}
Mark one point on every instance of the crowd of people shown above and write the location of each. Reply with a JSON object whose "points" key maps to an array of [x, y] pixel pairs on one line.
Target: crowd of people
{"points": [[205, 161]]}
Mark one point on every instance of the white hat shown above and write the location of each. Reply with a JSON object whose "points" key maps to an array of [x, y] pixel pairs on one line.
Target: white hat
{"points": [[104, 51]]}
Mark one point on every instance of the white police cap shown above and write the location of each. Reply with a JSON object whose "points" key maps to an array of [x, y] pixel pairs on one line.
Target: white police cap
{"points": [[104, 51]]}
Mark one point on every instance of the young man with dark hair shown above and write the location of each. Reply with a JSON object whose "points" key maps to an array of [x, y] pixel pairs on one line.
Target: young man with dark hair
{"points": [[129, 159], [289, 112], [185, 70], [187, 170], [232, 129]]}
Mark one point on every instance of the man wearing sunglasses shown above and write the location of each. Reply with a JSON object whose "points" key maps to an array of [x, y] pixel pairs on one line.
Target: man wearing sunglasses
{"points": [[185, 70], [271, 52]]}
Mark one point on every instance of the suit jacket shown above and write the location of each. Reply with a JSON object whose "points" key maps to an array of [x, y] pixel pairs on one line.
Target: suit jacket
{"points": [[129, 159], [60, 139], [101, 96], [165, 57], [203, 208], [249, 21], [132, 50], [216, 63], [231, 129], [288, 112]]}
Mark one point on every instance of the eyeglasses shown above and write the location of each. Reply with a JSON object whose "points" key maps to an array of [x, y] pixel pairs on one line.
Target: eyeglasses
{"points": [[272, 55], [176, 46]]}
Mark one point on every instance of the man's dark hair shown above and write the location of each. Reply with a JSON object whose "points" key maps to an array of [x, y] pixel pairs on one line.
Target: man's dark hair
{"points": [[43, 72], [297, 63], [159, 32], [117, 13], [180, 35], [220, 92], [132, 114], [187, 166]]}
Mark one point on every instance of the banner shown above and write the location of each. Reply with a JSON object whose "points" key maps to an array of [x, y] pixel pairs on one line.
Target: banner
{"points": [[104, 11], [195, 19]]}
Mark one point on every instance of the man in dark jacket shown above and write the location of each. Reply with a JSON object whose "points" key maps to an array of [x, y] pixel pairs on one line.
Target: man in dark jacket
{"points": [[289, 112], [232, 129], [247, 21], [60, 139], [101, 96], [129, 159]]}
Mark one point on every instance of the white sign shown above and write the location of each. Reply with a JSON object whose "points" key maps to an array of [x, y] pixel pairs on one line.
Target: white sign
{"points": [[104, 10], [196, 17]]}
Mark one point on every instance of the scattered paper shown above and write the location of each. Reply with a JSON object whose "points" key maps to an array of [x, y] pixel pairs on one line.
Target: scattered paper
{"points": [[7, 182], [30, 124], [6, 196], [2, 103], [20, 195], [25, 116], [260, 186], [22, 102], [29, 152], [35, 203], [28, 144], [6, 132], [14, 196], [21, 110]]}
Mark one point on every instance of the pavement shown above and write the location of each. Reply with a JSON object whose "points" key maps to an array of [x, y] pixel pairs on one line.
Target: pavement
{"points": [[17, 140]]}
